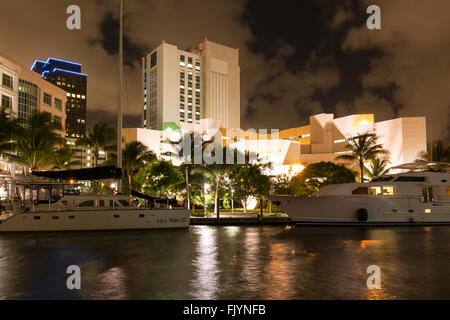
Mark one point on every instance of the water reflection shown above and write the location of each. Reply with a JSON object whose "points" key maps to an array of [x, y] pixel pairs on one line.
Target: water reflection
{"points": [[111, 285], [205, 277], [230, 263]]}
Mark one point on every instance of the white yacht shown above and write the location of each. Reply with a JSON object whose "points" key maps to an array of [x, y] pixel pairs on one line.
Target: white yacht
{"points": [[413, 197], [61, 207]]}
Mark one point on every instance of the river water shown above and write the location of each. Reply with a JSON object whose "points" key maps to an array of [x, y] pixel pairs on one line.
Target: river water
{"points": [[229, 262]]}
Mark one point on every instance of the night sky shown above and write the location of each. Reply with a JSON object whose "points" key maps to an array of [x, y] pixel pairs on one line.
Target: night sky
{"points": [[297, 58]]}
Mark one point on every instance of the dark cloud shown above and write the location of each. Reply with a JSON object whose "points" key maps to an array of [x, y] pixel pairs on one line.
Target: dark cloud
{"points": [[109, 41], [297, 58]]}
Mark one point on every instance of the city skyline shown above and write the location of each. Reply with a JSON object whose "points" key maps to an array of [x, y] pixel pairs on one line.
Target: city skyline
{"points": [[294, 68]]}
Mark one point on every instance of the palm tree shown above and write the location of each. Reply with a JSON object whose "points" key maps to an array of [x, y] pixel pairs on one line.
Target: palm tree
{"points": [[37, 140], [437, 153], [103, 137], [135, 157], [62, 159], [361, 148], [186, 154], [378, 167]]}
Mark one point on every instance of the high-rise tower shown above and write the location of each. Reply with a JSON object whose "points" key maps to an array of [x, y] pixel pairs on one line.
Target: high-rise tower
{"points": [[67, 75], [184, 86]]}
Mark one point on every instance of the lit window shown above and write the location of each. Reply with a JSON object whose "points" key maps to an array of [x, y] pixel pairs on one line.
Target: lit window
{"points": [[375, 191], [388, 190]]}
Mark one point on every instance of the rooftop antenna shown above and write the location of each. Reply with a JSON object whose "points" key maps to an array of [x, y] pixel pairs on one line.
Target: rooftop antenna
{"points": [[119, 108]]}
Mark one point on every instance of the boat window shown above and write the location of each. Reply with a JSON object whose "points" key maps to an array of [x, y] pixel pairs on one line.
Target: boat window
{"points": [[84, 204], [447, 191], [361, 190], [410, 179], [388, 190], [101, 203], [125, 203], [427, 194], [375, 191]]}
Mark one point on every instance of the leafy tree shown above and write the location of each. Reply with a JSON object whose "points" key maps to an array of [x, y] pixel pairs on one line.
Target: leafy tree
{"points": [[247, 181], [318, 175], [37, 141], [135, 157], [362, 148], [378, 167], [102, 137], [62, 159], [160, 179], [8, 127], [438, 152]]}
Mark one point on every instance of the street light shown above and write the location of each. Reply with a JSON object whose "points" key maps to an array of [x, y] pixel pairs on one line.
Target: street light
{"points": [[232, 200]]}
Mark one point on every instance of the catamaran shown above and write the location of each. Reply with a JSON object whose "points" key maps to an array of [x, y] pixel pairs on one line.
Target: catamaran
{"points": [[52, 206], [420, 195]]}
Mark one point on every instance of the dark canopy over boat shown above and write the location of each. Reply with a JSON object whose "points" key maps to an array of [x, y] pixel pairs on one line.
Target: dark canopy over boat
{"points": [[99, 173], [171, 202]]}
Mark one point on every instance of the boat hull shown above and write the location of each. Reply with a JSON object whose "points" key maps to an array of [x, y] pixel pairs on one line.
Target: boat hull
{"points": [[96, 220], [342, 210]]}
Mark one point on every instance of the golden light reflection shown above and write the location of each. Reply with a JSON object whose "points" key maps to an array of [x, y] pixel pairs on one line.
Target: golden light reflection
{"points": [[367, 243]]}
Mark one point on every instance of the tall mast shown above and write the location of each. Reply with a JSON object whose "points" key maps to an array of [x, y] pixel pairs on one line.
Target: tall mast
{"points": [[119, 109]]}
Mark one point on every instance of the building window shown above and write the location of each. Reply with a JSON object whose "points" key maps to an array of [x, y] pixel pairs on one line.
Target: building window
{"points": [[6, 102], [47, 99], [182, 106], [197, 101], [190, 77], [182, 98], [153, 60], [197, 117], [58, 104], [197, 85], [197, 94], [29, 94], [7, 81], [182, 75], [181, 82], [181, 91], [197, 78], [58, 120]]}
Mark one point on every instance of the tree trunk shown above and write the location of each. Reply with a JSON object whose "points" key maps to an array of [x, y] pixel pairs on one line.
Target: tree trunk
{"points": [[244, 204], [129, 183], [361, 167], [216, 202], [186, 171], [96, 157]]}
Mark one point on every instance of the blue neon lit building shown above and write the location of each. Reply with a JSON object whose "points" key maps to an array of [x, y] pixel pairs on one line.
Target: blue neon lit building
{"points": [[68, 76]]}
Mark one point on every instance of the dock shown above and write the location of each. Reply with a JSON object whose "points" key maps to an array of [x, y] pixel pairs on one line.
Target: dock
{"points": [[234, 219]]}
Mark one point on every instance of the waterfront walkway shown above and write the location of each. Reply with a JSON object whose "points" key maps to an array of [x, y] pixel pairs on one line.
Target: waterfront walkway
{"points": [[228, 218]]}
